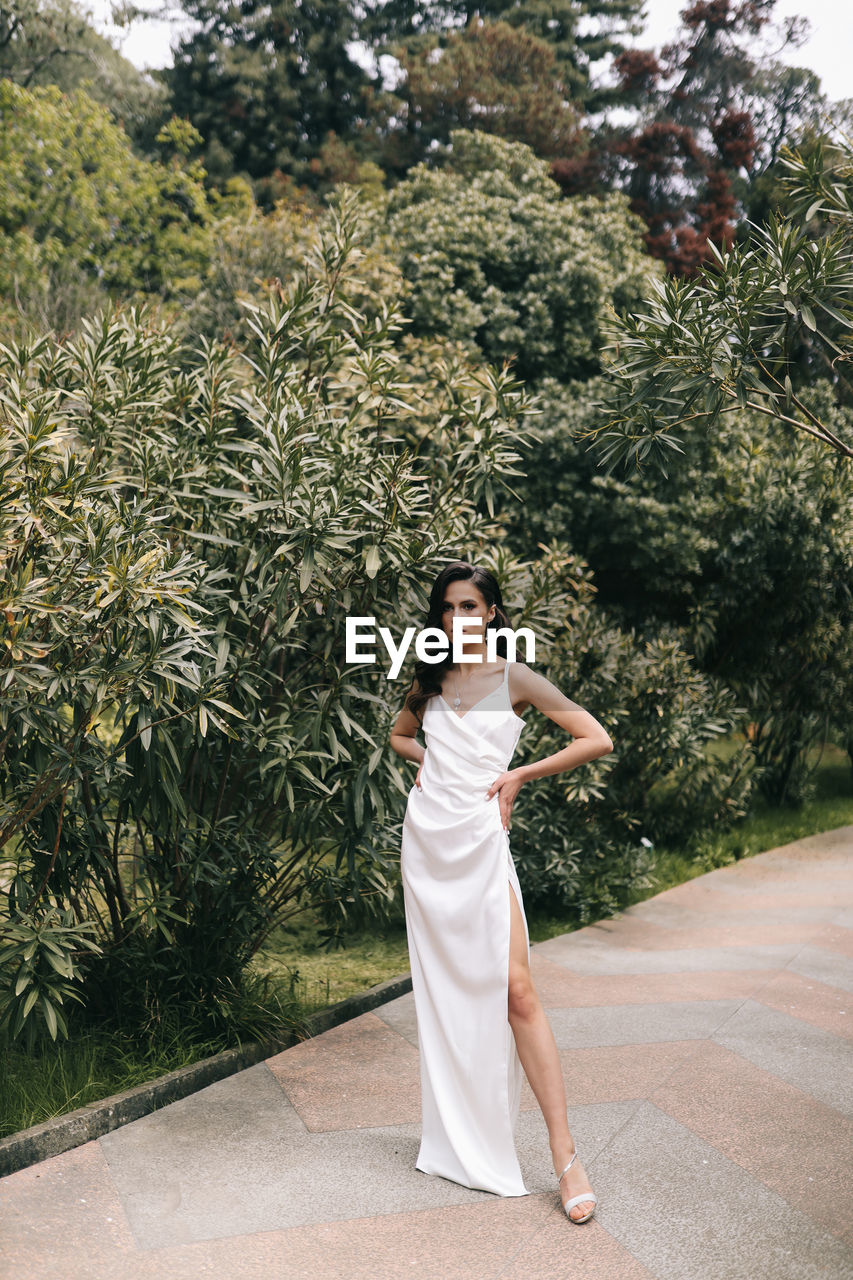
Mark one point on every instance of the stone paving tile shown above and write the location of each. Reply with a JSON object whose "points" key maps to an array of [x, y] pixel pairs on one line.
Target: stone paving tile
{"points": [[325, 1177], [458, 1243], [174, 1196], [827, 846], [591, 955], [594, 1126], [639, 1024], [737, 1107], [358, 1075], [687, 1212], [825, 965], [751, 911], [740, 895], [837, 937], [60, 1216], [805, 1056], [559, 987], [634, 932], [617, 1072], [776, 872], [560, 1249], [737, 1028], [829, 1008], [400, 1015], [210, 1163], [51, 1230]]}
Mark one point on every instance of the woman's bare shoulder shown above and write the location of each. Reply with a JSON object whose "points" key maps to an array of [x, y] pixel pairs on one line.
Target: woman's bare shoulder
{"points": [[521, 676], [533, 687]]}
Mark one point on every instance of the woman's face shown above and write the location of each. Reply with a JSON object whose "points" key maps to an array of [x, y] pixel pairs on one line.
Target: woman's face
{"points": [[463, 600]]}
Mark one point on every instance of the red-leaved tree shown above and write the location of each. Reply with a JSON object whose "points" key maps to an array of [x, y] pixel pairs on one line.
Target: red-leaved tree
{"points": [[688, 157]]}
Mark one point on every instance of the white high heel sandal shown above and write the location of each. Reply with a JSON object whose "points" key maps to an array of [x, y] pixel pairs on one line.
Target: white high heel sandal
{"points": [[587, 1195]]}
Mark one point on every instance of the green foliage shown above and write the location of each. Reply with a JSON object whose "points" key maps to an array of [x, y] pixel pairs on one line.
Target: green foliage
{"points": [[266, 85], [788, 110], [38, 971], [196, 784], [78, 208], [732, 339], [49, 1078], [495, 257], [34, 34], [98, 619], [746, 546], [490, 76], [708, 113], [579, 34], [583, 840], [100, 643], [53, 42], [253, 252]]}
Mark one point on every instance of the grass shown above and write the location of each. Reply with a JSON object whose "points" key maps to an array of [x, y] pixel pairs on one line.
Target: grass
{"points": [[319, 977], [54, 1079], [767, 827], [57, 1078]]}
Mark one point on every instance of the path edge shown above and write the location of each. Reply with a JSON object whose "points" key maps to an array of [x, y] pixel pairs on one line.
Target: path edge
{"points": [[52, 1137]]}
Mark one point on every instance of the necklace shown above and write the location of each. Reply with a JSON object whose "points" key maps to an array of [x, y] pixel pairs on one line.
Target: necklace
{"points": [[457, 700]]}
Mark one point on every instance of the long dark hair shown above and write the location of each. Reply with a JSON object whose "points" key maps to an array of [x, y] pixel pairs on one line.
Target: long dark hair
{"points": [[428, 675]]}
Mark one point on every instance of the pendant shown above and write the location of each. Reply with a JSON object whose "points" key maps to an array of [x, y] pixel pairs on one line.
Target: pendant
{"points": [[456, 703]]}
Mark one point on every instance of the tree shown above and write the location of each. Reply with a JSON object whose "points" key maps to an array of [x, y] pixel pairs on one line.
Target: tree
{"points": [[733, 338], [687, 162], [746, 547], [35, 37], [581, 32], [489, 76], [42, 44], [495, 258], [98, 626], [266, 85], [81, 214]]}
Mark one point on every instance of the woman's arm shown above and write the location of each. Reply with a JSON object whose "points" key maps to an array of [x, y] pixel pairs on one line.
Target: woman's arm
{"points": [[591, 739], [403, 739]]}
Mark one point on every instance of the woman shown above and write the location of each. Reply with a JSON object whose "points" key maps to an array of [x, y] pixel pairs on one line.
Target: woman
{"points": [[479, 1017]]}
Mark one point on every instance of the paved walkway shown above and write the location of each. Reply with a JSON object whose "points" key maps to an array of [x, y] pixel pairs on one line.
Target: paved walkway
{"points": [[706, 1040]]}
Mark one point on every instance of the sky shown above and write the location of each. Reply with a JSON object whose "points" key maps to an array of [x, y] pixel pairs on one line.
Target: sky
{"points": [[827, 51]]}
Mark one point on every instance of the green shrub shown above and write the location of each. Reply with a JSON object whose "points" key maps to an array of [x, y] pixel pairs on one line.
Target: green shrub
{"points": [[583, 841], [495, 257], [190, 529]]}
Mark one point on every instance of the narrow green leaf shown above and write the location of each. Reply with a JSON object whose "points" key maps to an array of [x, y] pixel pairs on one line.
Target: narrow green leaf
{"points": [[306, 573], [49, 1016], [372, 561]]}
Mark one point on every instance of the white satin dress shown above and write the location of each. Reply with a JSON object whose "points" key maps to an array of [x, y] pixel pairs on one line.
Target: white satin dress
{"points": [[457, 872]]}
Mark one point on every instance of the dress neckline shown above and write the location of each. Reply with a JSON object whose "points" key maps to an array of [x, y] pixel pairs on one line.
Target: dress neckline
{"points": [[473, 707]]}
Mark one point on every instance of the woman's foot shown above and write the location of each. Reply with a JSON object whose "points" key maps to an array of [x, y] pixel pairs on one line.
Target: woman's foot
{"points": [[573, 1183]]}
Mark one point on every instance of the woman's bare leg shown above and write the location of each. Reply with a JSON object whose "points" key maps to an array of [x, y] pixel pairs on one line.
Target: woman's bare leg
{"points": [[537, 1050]]}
